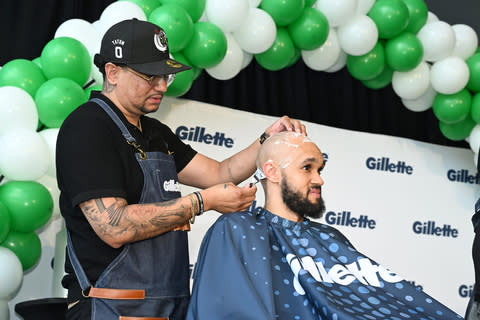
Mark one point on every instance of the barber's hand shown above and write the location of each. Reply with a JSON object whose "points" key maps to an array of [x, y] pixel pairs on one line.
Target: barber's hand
{"points": [[227, 197], [286, 124]]}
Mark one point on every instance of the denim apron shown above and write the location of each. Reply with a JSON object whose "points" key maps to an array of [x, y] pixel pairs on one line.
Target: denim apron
{"points": [[149, 278]]}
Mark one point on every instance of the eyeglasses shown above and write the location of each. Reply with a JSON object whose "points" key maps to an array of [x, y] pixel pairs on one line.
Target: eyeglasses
{"points": [[152, 80]]}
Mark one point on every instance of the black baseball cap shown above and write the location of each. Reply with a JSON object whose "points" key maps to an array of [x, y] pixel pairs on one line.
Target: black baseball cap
{"points": [[141, 45]]}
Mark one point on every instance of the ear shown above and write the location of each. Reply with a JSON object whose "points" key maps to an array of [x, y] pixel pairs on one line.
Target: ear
{"points": [[272, 171], [112, 72]]}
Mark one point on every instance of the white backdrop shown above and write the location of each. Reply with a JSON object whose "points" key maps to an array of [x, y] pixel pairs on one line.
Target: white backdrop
{"points": [[411, 189]]}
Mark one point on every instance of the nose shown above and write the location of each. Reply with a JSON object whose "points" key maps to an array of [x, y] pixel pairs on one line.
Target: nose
{"points": [[317, 179], [160, 83]]}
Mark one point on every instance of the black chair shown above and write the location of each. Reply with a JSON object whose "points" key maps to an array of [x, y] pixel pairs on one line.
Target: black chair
{"points": [[41, 309]]}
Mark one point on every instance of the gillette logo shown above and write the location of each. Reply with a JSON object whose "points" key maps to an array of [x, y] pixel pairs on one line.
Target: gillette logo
{"points": [[465, 291], [345, 218], [198, 134], [385, 164], [463, 176], [431, 228]]}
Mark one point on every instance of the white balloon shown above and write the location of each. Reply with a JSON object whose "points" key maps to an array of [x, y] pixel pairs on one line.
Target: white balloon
{"points": [[50, 183], [254, 3], [364, 6], [228, 15], [50, 137], [24, 155], [466, 41], [11, 273], [257, 33], [412, 84], [82, 31], [337, 12], [422, 103], [339, 64], [247, 58], [474, 138], [231, 64], [449, 75], [17, 110], [118, 11], [4, 310], [431, 17], [358, 36], [438, 40], [325, 56]]}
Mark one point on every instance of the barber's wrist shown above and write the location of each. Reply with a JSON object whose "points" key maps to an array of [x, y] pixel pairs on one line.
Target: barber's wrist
{"points": [[264, 136]]}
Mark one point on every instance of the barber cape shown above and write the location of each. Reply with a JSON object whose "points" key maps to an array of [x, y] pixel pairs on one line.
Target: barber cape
{"points": [[256, 265]]}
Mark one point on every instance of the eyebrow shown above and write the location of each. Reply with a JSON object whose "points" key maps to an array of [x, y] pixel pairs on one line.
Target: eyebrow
{"points": [[312, 159]]}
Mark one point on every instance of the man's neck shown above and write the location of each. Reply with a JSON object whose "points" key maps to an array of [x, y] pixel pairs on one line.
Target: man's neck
{"points": [[280, 209]]}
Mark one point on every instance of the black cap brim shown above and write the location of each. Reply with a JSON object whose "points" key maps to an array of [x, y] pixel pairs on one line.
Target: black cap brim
{"points": [[168, 66]]}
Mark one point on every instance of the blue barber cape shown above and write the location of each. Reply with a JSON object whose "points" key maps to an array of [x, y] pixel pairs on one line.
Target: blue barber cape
{"points": [[260, 266]]}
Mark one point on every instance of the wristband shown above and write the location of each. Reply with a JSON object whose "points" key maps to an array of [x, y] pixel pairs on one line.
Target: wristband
{"points": [[263, 137], [194, 208], [200, 202]]}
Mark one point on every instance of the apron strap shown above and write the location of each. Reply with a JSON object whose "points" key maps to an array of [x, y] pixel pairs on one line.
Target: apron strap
{"points": [[116, 294]]}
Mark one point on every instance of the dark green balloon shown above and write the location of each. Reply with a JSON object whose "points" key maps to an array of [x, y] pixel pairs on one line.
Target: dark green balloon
{"points": [[146, 5], [182, 83], [194, 8], [390, 16], [5, 222], [473, 64], [29, 203], [452, 108], [457, 131], [26, 246], [23, 74], [369, 65], [418, 13], [279, 55], [404, 52], [89, 90], [310, 30], [380, 81], [283, 12], [475, 108], [208, 45], [295, 58]]}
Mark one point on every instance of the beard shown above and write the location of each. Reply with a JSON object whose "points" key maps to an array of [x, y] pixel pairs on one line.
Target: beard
{"points": [[300, 204]]}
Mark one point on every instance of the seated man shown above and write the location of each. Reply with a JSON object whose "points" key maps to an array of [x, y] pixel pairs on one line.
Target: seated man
{"points": [[277, 264]]}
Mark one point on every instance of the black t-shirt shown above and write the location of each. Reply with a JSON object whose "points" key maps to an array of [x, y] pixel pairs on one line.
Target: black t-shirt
{"points": [[94, 160]]}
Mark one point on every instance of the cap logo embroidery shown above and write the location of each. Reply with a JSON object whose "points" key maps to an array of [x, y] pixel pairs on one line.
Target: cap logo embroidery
{"points": [[118, 49], [173, 64], [160, 40]]}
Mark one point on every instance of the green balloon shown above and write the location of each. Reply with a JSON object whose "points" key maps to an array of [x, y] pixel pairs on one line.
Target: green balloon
{"points": [[207, 47], [196, 72], [380, 81], [5, 222], [38, 62], [369, 65], [56, 98], [404, 52], [452, 108], [457, 131], [473, 64], [310, 30], [23, 74], [176, 23], [390, 16], [295, 58], [418, 13], [279, 55], [26, 246], [194, 8], [475, 108], [89, 90], [29, 203], [182, 83], [309, 3], [65, 57], [283, 12], [146, 5]]}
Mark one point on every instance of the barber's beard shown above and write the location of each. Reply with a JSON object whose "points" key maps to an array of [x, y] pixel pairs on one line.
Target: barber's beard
{"points": [[300, 204]]}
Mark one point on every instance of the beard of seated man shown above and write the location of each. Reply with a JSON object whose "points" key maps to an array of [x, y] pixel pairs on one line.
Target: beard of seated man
{"points": [[300, 204]]}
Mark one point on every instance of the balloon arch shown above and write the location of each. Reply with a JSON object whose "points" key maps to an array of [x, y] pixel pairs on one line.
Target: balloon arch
{"points": [[428, 62]]}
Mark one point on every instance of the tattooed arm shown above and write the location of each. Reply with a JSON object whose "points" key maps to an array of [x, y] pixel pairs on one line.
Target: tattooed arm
{"points": [[118, 223]]}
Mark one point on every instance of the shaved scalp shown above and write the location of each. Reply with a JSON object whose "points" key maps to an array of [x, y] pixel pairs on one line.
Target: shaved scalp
{"points": [[280, 148]]}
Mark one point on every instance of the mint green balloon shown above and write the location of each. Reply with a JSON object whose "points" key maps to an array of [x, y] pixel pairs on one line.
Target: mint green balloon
{"points": [[176, 23], [279, 55], [5, 222], [310, 30], [56, 99], [390, 16], [23, 74], [369, 65], [473, 64], [404, 52], [452, 108], [283, 12], [146, 5], [380, 81], [194, 8], [29, 203], [65, 57], [457, 131], [26, 246], [418, 15], [207, 47]]}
